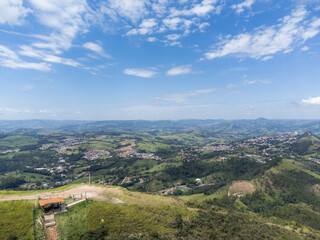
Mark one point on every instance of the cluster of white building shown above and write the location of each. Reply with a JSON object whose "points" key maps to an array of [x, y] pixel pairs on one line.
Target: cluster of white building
{"points": [[92, 154], [134, 153]]}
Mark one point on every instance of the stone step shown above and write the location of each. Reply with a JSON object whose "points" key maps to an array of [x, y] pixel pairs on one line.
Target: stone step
{"points": [[49, 218], [50, 224]]}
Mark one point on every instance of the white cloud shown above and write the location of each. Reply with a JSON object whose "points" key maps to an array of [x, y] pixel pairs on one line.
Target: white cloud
{"points": [[231, 85], [46, 56], [171, 40], [172, 23], [95, 48], [265, 81], [144, 73], [305, 48], [266, 58], [25, 65], [185, 69], [172, 43], [157, 16], [10, 59], [12, 12], [146, 27], [7, 53], [129, 9], [152, 39], [201, 9], [173, 37], [312, 30], [311, 101], [247, 82], [264, 42], [203, 26], [177, 23], [45, 111], [148, 23], [65, 18], [239, 8], [57, 59], [160, 7], [183, 97], [27, 87], [9, 110]]}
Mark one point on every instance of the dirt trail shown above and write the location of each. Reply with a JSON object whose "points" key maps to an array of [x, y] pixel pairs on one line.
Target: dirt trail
{"points": [[52, 233], [77, 192]]}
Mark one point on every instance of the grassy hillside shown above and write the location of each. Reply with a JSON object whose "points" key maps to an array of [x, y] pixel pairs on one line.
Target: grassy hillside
{"points": [[16, 220], [16, 141], [122, 213], [287, 193], [118, 213]]}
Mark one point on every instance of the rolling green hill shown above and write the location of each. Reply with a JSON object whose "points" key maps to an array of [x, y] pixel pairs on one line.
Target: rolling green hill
{"points": [[287, 192], [122, 214], [217, 127], [216, 187], [17, 141]]}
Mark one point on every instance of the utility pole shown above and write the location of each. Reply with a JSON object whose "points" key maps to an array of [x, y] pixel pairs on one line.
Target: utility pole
{"points": [[86, 214]]}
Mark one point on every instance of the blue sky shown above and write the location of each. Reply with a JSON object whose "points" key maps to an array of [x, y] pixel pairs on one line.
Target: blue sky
{"points": [[159, 59]]}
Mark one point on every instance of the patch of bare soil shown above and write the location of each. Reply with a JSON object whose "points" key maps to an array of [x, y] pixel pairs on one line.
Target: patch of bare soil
{"points": [[316, 189], [241, 188], [115, 201], [285, 227], [103, 196], [81, 191]]}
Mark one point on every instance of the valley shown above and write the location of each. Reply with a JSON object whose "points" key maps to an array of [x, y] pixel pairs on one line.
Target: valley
{"points": [[164, 184]]}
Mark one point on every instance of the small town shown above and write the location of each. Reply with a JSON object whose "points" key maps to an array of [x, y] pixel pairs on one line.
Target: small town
{"points": [[65, 170]]}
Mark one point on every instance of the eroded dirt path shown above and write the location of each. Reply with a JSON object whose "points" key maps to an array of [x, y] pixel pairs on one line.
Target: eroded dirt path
{"points": [[51, 233]]}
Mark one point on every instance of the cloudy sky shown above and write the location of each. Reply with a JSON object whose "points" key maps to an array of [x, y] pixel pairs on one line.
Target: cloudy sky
{"points": [[159, 59]]}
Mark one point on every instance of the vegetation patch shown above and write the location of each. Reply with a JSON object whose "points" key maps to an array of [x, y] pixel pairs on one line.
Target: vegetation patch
{"points": [[138, 214], [16, 220], [17, 141], [72, 225]]}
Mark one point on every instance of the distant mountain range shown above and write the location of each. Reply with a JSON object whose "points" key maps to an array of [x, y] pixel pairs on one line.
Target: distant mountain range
{"points": [[11, 125], [258, 126]]}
